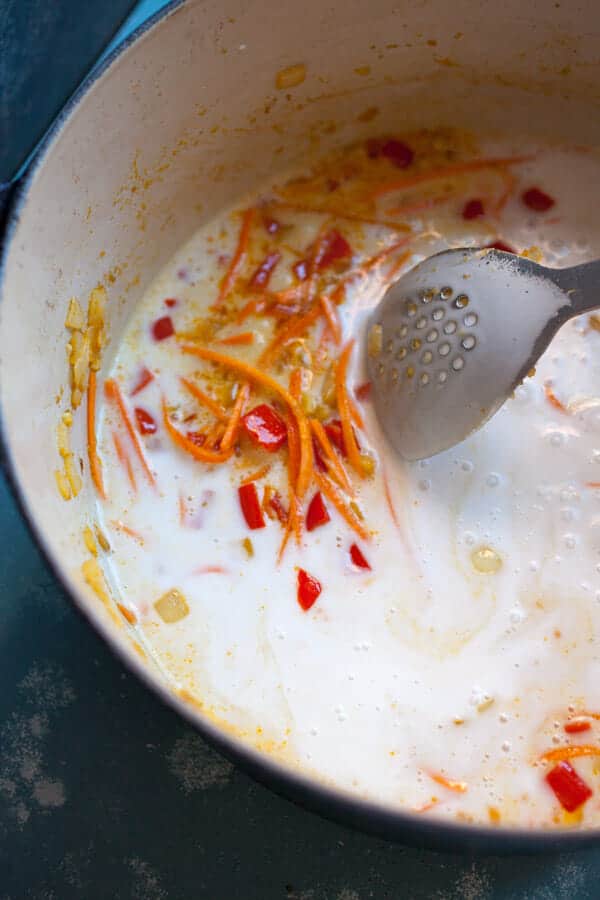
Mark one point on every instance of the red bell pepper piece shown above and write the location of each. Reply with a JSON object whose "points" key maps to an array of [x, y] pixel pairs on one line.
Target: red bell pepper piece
{"points": [[334, 246], [308, 589], [571, 790], [500, 245], [537, 200], [398, 153], [357, 557], [251, 506], [145, 422], [171, 302], [577, 726], [261, 277], [317, 514], [335, 434], [145, 377], [473, 209], [265, 427], [163, 328]]}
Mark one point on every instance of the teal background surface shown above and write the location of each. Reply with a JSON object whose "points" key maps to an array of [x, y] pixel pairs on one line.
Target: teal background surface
{"points": [[104, 793]]}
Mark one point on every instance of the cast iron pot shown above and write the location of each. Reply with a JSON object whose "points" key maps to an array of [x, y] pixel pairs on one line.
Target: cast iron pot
{"points": [[177, 123]]}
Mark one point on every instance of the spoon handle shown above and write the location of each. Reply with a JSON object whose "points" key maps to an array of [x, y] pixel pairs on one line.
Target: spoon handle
{"points": [[581, 283]]}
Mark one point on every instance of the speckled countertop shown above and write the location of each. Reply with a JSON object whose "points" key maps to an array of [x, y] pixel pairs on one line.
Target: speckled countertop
{"points": [[104, 793]]}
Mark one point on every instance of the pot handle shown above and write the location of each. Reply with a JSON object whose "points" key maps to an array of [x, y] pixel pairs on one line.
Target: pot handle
{"points": [[41, 66]]}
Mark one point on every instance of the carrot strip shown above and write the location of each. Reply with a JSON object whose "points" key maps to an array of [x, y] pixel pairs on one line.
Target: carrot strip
{"points": [[560, 753], [397, 265], [408, 208], [210, 570], [296, 384], [380, 257], [355, 413], [425, 806], [113, 392], [182, 510], [121, 526], [94, 459], [293, 452], [292, 329], [389, 501], [251, 307], [257, 475], [127, 614], [343, 402], [553, 399], [214, 435], [331, 492], [271, 384], [184, 443], [338, 471], [215, 408], [342, 214], [237, 260], [235, 340], [463, 168], [124, 460], [332, 317], [233, 425], [458, 786]]}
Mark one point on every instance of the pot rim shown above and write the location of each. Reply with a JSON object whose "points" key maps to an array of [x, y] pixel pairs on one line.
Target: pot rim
{"points": [[329, 801]]}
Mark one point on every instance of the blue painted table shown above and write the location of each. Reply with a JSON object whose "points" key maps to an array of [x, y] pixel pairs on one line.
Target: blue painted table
{"points": [[106, 794]]}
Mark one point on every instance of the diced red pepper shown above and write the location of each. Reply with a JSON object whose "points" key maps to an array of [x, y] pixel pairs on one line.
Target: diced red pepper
{"points": [[261, 277], [332, 248], [171, 302], [363, 391], [196, 437], [576, 726], [145, 377], [500, 245], [265, 427], [537, 200], [145, 422], [163, 328], [357, 557], [318, 456], [316, 514], [473, 209], [308, 589], [300, 269], [400, 154], [571, 790], [251, 506]]}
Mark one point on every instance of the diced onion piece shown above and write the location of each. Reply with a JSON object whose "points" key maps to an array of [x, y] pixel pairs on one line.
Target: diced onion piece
{"points": [[172, 606]]}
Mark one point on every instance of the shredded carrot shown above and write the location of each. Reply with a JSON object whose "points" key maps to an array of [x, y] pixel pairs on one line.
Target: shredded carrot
{"points": [[228, 439], [426, 806], [343, 402], [257, 475], [332, 317], [235, 340], [271, 384], [559, 753], [210, 570], [113, 392], [343, 214], [182, 510], [333, 461], [389, 500], [553, 399], [94, 459], [355, 413], [406, 209], [127, 614], [397, 265], [292, 329], [250, 308], [509, 185], [215, 408], [202, 454], [214, 436], [380, 257], [331, 492], [296, 384], [237, 260], [293, 452], [463, 168], [458, 786], [124, 460], [121, 526]]}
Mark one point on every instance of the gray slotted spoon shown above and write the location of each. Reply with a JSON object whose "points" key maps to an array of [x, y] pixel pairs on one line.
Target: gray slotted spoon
{"points": [[453, 337]]}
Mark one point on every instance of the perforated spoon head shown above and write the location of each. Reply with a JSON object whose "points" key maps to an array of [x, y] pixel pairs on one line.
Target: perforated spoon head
{"points": [[452, 339]]}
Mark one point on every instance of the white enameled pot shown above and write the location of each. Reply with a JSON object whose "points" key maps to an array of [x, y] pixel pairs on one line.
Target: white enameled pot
{"points": [[179, 122]]}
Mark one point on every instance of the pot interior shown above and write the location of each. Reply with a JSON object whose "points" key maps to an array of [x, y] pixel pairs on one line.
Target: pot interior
{"points": [[188, 118]]}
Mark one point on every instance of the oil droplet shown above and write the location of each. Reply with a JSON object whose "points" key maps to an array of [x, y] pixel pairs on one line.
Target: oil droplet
{"points": [[486, 560]]}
